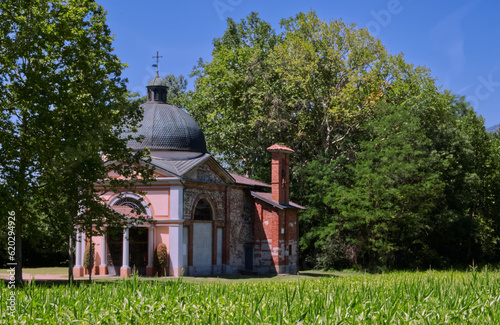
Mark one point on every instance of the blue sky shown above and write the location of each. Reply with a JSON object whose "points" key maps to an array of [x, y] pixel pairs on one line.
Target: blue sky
{"points": [[458, 40]]}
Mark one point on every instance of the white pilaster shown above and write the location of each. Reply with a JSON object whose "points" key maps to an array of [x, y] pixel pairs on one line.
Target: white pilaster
{"points": [[176, 230], [176, 256], [78, 262], [104, 261], [176, 203]]}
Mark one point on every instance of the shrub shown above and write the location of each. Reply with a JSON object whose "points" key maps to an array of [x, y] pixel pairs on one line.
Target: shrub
{"points": [[160, 260], [86, 256]]}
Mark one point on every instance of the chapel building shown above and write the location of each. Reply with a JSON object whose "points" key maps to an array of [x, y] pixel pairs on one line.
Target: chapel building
{"points": [[213, 222]]}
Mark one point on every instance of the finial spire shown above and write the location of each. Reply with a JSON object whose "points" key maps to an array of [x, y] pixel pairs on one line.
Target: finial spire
{"points": [[157, 57]]}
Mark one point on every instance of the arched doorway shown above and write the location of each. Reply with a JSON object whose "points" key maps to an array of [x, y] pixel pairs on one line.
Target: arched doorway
{"points": [[138, 237], [202, 238]]}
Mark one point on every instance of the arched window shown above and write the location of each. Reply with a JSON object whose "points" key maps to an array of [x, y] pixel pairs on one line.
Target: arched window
{"points": [[203, 210], [131, 203]]}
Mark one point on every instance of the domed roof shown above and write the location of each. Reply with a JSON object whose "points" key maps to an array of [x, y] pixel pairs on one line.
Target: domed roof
{"points": [[157, 81], [166, 127]]}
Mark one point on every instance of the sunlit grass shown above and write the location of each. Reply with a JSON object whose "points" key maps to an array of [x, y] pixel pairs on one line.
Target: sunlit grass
{"points": [[62, 272], [41, 271], [430, 297]]}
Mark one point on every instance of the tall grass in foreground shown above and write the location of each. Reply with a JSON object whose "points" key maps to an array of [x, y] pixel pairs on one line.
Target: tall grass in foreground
{"points": [[415, 298]]}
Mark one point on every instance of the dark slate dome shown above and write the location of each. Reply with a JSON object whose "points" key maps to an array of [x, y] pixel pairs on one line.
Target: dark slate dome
{"points": [[166, 127], [157, 81]]}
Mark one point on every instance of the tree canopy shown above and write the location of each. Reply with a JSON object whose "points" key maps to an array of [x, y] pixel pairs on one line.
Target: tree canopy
{"points": [[395, 171], [64, 107]]}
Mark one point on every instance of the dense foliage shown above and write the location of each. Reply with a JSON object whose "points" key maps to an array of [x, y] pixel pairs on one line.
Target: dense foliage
{"points": [[394, 171], [63, 108], [398, 298]]}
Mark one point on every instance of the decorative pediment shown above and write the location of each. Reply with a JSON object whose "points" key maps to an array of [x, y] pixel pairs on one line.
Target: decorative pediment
{"points": [[209, 172]]}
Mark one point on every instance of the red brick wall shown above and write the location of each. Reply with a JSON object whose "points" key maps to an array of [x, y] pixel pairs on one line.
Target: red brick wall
{"points": [[280, 177], [274, 231]]}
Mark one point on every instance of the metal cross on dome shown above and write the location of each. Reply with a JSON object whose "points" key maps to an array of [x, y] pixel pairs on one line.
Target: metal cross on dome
{"points": [[157, 57]]}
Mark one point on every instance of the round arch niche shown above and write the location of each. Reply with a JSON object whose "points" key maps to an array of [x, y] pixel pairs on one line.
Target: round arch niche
{"points": [[203, 211]]}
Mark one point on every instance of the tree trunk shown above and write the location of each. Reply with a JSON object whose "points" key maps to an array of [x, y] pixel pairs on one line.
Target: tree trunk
{"points": [[71, 241], [21, 203], [91, 257], [70, 257], [19, 252]]}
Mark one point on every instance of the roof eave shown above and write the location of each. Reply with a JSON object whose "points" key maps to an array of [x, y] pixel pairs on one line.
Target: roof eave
{"points": [[276, 204]]}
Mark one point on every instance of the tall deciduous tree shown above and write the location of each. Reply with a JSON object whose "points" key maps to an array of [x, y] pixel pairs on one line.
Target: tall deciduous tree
{"points": [[396, 186], [64, 108], [310, 87], [386, 160], [237, 99], [176, 86]]}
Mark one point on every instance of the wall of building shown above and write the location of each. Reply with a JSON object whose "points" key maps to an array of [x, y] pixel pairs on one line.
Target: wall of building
{"points": [[160, 202], [275, 239], [161, 236], [291, 260], [203, 183], [215, 194], [231, 227], [240, 234], [266, 238]]}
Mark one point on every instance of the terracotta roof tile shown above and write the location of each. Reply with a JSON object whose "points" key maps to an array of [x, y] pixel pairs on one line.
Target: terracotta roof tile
{"points": [[279, 147], [247, 181]]}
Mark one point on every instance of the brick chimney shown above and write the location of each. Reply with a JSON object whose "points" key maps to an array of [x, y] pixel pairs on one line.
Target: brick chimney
{"points": [[280, 173]]}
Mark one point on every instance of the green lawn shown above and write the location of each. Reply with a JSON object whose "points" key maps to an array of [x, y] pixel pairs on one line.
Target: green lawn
{"points": [[41, 271], [304, 275], [430, 297], [63, 272]]}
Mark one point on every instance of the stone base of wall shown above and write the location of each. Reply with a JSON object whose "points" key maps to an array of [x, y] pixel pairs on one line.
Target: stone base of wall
{"points": [[288, 269]]}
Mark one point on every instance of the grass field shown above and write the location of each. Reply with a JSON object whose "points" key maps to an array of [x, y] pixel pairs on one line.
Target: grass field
{"points": [[41, 271], [62, 273], [430, 297]]}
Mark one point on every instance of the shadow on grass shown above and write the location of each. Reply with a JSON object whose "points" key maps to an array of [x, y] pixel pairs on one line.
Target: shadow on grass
{"points": [[318, 274]]}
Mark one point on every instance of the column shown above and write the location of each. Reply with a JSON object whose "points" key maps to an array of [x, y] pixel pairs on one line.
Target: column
{"points": [[103, 268], [125, 269], [176, 230], [78, 262], [151, 238], [78, 268], [83, 244]]}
